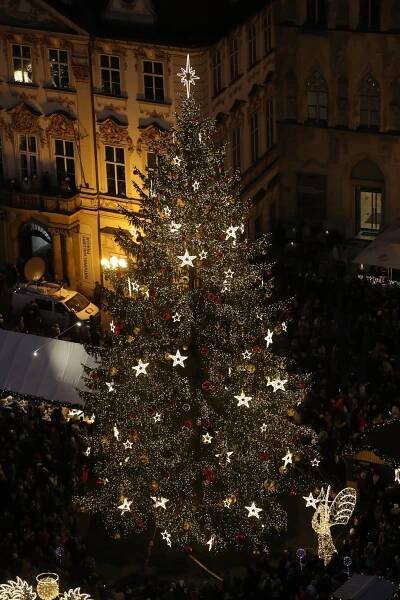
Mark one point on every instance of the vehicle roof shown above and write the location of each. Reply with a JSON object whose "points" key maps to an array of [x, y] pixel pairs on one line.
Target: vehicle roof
{"points": [[47, 289]]}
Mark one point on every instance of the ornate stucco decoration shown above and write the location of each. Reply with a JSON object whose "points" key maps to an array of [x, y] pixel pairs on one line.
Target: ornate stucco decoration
{"points": [[149, 136], [114, 133], [61, 126], [25, 119]]}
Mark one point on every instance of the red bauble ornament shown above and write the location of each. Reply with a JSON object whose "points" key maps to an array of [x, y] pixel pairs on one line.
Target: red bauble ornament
{"points": [[222, 236], [219, 255], [257, 349], [188, 549], [293, 492], [167, 316], [188, 424], [263, 456], [204, 351], [206, 385], [240, 536], [139, 524], [118, 328], [302, 385], [209, 474]]}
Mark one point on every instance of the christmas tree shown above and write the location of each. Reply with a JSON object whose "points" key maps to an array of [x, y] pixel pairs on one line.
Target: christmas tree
{"points": [[192, 430]]}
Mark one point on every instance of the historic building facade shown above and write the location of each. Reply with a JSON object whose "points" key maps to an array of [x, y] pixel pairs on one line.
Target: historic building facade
{"points": [[305, 92], [338, 97]]}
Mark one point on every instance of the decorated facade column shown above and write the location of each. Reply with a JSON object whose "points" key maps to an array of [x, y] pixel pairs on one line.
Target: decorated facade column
{"points": [[57, 255], [70, 261]]}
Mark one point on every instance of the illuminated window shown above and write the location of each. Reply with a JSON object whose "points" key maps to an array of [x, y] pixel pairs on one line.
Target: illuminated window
{"points": [[254, 137], [369, 210], [252, 44], [236, 158], [22, 63], [110, 74], [115, 168], [59, 69], [153, 73], [234, 58], [28, 159], [65, 161], [317, 98]]}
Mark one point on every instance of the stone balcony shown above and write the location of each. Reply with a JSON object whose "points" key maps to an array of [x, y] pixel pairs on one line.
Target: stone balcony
{"points": [[41, 202]]}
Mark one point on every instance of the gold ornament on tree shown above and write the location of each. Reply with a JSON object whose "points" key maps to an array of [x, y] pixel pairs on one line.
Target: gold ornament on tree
{"points": [[47, 586]]}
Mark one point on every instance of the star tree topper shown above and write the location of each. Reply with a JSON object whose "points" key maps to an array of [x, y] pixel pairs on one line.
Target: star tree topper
{"points": [[188, 76]]}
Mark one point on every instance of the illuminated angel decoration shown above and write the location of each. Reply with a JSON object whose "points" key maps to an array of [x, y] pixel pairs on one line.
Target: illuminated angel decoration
{"points": [[329, 513], [17, 590]]}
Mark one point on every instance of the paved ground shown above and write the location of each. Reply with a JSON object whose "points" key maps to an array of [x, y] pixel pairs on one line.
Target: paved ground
{"points": [[120, 558]]}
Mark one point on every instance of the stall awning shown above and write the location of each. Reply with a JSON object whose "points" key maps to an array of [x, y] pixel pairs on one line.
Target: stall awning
{"points": [[365, 587], [384, 250], [54, 374]]}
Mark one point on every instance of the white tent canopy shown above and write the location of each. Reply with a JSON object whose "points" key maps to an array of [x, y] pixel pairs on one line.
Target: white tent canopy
{"points": [[54, 374], [384, 250]]}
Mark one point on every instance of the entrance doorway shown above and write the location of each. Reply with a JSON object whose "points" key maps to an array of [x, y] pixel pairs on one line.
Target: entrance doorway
{"points": [[35, 240]]}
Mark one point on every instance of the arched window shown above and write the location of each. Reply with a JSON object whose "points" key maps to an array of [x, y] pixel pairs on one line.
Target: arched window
{"points": [[370, 103], [317, 98], [369, 187]]}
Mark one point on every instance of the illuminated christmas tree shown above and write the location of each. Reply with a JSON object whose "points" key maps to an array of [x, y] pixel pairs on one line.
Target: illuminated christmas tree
{"points": [[192, 428]]}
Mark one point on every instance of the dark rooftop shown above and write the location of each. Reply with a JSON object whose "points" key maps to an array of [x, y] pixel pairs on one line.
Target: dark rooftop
{"points": [[178, 22]]}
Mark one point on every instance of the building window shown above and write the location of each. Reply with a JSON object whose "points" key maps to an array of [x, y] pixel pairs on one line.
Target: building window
{"points": [[234, 59], [311, 196], [151, 161], [28, 158], [369, 210], [317, 98], [153, 73], [268, 32], [254, 137], [217, 72], [59, 71], [370, 14], [270, 123], [370, 103], [110, 74], [252, 44], [22, 63], [65, 162], [115, 168], [236, 158], [316, 12]]}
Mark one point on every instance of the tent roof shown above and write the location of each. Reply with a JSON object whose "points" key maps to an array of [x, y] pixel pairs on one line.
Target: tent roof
{"points": [[384, 250], [385, 440], [365, 587], [54, 374]]}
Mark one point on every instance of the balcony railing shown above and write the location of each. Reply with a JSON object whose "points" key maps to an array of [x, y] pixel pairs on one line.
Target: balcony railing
{"points": [[40, 201]]}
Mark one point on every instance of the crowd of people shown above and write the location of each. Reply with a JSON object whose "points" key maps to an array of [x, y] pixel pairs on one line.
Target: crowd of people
{"points": [[342, 330]]}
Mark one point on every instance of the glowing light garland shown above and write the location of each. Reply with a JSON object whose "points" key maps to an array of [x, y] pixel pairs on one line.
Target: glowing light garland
{"points": [[205, 407], [47, 589]]}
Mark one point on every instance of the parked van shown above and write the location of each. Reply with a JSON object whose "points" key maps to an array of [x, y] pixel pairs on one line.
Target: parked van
{"points": [[56, 304]]}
